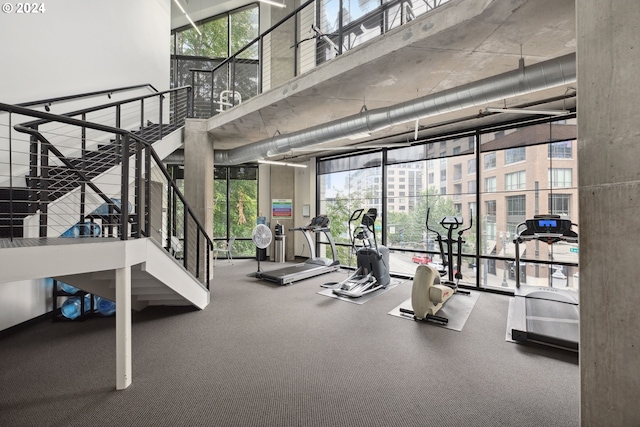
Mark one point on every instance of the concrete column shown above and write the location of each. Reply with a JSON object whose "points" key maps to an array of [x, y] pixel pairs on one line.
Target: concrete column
{"points": [[198, 179], [123, 328], [281, 59], [282, 187], [608, 56]]}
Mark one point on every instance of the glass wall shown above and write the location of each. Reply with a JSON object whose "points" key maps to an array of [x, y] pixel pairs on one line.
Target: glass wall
{"points": [[527, 171], [218, 37], [349, 23], [347, 184], [494, 180], [235, 207]]}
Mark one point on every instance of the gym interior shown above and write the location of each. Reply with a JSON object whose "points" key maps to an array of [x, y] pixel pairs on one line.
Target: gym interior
{"points": [[321, 212]]}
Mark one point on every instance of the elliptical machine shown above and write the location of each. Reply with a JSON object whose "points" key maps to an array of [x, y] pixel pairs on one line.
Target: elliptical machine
{"points": [[373, 259], [429, 291]]}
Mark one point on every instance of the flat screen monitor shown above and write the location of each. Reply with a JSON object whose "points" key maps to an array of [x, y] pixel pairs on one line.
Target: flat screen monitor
{"points": [[547, 223]]}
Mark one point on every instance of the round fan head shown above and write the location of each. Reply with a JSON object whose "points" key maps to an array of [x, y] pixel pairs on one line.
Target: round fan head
{"points": [[261, 236]]}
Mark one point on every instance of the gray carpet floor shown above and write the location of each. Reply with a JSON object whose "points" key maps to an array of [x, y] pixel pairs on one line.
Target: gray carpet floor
{"points": [[268, 355]]}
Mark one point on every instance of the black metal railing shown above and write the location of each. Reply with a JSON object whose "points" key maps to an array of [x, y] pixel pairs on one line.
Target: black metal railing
{"points": [[294, 45], [64, 176], [61, 100]]}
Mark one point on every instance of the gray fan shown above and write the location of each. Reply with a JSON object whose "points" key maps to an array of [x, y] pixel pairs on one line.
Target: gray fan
{"points": [[261, 236]]}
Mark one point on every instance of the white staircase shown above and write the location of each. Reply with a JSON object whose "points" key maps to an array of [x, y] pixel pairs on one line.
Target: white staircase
{"points": [[90, 264], [135, 273]]}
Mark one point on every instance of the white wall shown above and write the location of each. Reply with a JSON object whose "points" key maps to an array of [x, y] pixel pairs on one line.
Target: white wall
{"points": [[305, 194], [264, 195], [76, 47]]}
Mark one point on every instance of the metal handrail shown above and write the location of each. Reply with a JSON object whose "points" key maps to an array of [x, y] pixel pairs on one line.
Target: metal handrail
{"points": [[340, 34], [126, 136], [84, 95], [260, 37], [109, 105], [103, 128]]}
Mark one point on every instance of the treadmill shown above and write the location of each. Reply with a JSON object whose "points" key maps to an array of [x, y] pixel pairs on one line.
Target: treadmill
{"points": [[314, 266], [545, 315]]}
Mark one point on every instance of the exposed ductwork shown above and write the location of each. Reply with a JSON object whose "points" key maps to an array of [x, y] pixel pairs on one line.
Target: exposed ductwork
{"points": [[540, 76]]}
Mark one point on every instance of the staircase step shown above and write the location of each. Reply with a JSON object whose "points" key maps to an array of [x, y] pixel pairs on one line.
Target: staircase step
{"points": [[62, 180]]}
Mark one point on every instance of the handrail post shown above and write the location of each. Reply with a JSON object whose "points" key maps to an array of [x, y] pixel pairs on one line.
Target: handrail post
{"points": [[198, 253], [232, 81], [213, 94], [138, 190], [296, 23], [33, 158], [118, 136], [9, 129], [83, 186], [141, 115], [192, 92], [44, 189], [208, 264], [173, 118], [260, 63], [147, 191], [160, 112], [185, 240], [124, 190], [190, 102]]}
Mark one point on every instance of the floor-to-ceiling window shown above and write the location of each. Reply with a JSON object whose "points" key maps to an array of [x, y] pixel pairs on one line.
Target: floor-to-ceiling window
{"points": [[346, 184], [216, 39], [235, 207], [493, 179], [529, 170], [345, 24]]}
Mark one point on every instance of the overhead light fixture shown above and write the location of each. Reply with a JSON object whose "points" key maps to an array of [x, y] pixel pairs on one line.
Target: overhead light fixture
{"points": [[306, 149], [187, 16], [273, 162], [364, 146], [525, 111], [390, 145], [273, 3], [356, 136]]}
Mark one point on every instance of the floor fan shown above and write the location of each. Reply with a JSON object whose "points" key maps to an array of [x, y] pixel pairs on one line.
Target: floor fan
{"points": [[261, 236]]}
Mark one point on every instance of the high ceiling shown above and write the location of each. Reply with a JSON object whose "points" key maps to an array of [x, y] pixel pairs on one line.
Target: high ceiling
{"points": [[460, 42]]}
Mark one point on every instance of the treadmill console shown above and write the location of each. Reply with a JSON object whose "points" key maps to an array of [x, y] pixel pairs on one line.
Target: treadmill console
{"points": [[321, 221], [547, 228]]}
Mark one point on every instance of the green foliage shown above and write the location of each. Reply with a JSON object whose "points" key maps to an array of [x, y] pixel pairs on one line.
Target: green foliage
{"points": [[211, 43], [239, 219], [409, 227], [213, 39]]}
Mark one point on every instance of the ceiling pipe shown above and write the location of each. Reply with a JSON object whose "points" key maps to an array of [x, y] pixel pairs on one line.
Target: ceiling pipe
{"points": [[536, 77]]}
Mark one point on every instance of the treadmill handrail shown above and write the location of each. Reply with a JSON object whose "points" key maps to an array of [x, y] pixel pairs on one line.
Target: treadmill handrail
{"points": [[314, 229], [312, 246]]}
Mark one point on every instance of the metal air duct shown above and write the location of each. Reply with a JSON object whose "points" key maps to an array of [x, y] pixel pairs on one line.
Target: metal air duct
{"points": [[536, 77]]}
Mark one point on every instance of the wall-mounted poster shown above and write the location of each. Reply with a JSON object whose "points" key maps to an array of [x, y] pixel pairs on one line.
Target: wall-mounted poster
{"points": [[281, 209]]}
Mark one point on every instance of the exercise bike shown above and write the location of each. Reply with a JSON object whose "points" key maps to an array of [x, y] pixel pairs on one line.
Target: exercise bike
{"points": [[429, 291], [373, 260]]}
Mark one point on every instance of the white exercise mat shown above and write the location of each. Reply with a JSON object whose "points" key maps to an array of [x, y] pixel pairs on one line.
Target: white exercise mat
{"points": [[328, 292], [457, 309]]}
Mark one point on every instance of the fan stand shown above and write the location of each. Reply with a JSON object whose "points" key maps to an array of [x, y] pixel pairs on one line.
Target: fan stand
{"points": [[261, 237], [259, 269]]}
